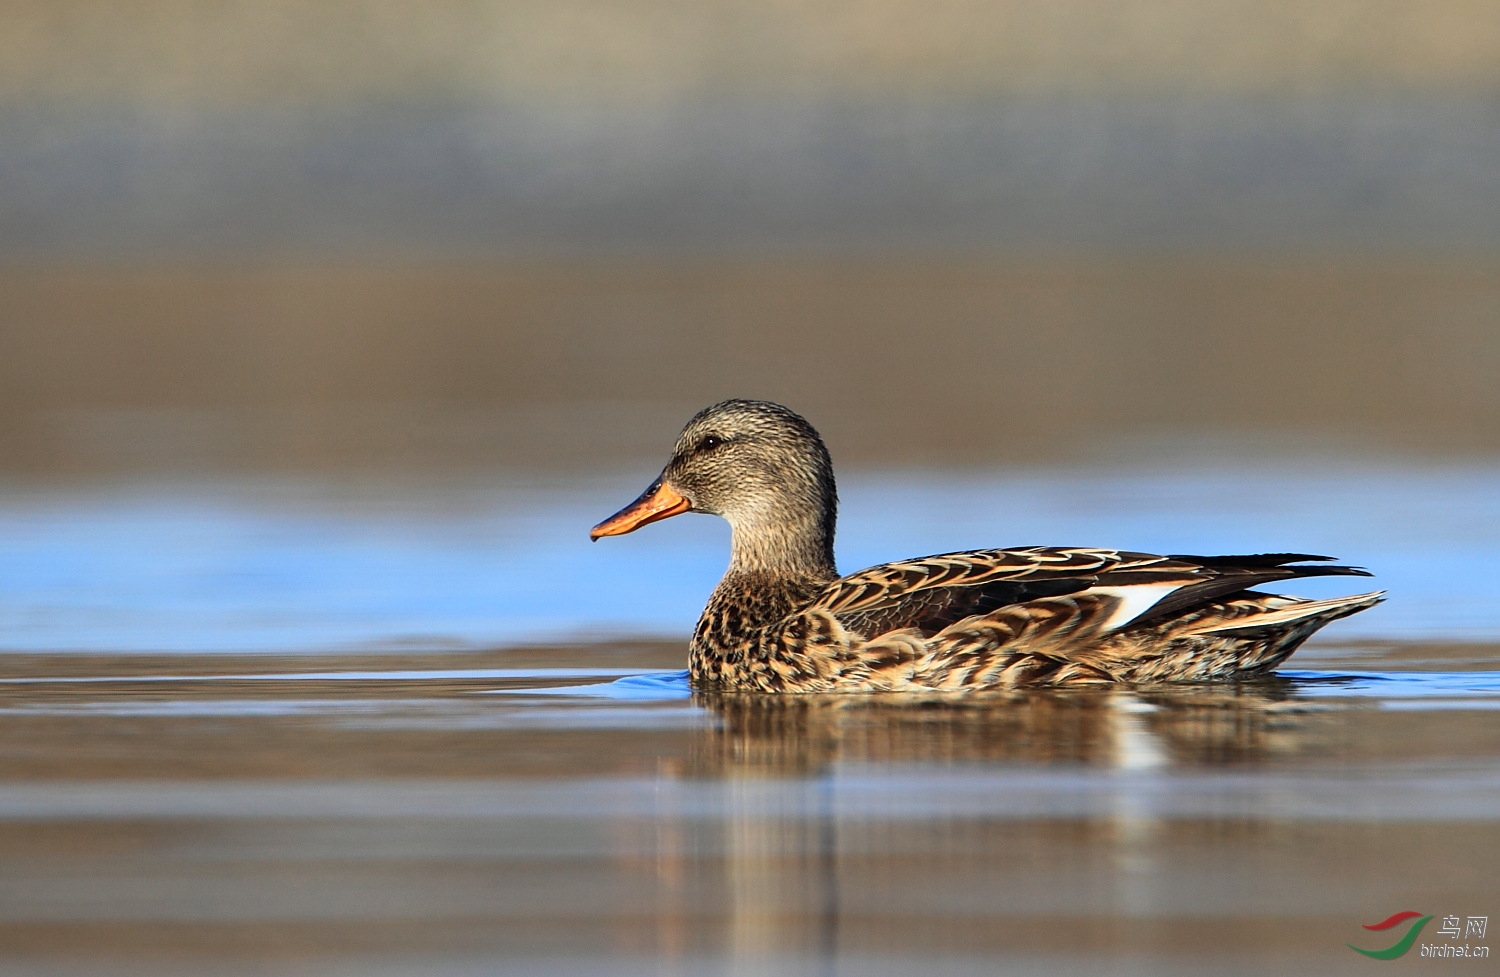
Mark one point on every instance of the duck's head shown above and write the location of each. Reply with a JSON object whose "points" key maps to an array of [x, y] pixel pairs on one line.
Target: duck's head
{"points": [[764, 469]]}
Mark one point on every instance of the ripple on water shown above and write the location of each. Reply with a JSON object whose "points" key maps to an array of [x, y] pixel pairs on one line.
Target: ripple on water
{"points": [[1390, 686]]}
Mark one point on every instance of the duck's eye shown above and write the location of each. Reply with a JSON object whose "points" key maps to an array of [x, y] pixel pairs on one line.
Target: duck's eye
{"points": [[709, 443]]}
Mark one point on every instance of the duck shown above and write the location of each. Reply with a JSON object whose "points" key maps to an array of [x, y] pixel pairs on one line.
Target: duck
{"points": [[783, 620]]}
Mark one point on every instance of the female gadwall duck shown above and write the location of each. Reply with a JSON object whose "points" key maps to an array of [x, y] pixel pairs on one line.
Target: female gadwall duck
{"points": [[783, 620]]}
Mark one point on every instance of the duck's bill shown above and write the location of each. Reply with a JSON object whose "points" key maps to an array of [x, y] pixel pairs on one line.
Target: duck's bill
{"points": [[657, 502]]}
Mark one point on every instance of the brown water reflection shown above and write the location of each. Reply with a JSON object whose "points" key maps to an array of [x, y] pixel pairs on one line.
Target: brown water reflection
{"points": [[412, 814], [785, 874], [776, 736]]}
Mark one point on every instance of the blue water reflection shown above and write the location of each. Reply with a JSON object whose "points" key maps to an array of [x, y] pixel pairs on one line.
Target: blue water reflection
{"points": [[652, 686], [324, 565], [1392, 686]]}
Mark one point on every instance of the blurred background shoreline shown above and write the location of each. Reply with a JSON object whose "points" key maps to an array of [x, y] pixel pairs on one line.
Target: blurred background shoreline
{"points": [[523, 235], [576, 365], [181, 131], [1384, 174]]}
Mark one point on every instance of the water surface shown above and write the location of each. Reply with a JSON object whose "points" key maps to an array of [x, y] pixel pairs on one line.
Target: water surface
{"points": [[360, 727]]}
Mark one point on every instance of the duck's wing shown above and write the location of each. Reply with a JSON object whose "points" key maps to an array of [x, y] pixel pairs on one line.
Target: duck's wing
{"points": [[935, 592]]}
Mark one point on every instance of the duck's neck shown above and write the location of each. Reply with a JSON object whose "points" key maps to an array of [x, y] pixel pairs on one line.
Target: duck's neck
{"points": [[793, 550]]}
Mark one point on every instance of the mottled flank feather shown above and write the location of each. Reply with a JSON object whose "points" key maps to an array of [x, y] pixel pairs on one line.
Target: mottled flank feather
{"points": [[782, 620]]}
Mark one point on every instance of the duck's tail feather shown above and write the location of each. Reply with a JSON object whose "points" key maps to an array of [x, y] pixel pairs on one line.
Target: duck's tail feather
{"points": [[1292, 614]]}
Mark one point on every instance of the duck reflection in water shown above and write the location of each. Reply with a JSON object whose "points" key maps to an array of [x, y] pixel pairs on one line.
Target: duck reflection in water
{"points": [[830, 798], [758, 735]]}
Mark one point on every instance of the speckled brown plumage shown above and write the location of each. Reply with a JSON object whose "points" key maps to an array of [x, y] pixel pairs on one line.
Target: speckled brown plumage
{"points": [[782, 620]]}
